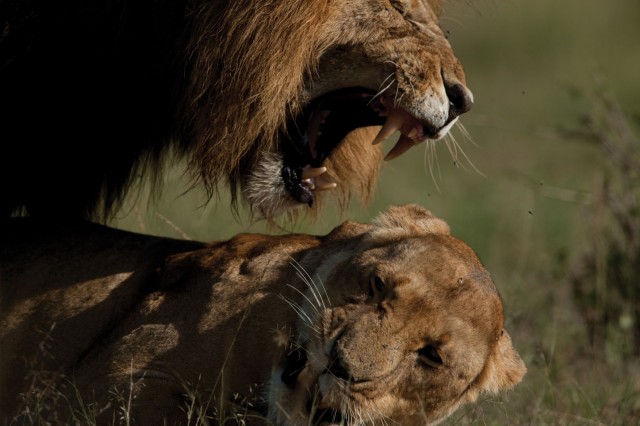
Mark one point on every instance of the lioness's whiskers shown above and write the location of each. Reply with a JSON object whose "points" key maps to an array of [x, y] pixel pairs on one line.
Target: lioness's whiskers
{"points": [[324, 290], [313, 289], [311, 284], [383, 419], [357, 415], [370, 418], [315, 308], [301, 314]]}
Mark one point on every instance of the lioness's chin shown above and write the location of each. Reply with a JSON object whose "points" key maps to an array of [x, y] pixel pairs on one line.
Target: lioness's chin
{"points": [[312, 403]]}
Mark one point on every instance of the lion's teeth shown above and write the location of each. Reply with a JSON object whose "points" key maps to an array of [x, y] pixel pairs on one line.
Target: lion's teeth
{"points": [[394, 122], [311, 172], [403, 145], [324, 185], [312, 178], [308, 183]]}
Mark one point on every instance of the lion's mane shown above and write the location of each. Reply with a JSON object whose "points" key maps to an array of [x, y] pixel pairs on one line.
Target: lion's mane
{"points": [[96, 94]]}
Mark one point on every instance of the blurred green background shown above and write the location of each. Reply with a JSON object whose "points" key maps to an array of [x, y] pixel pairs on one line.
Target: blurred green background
{"points": [[553, 81]]}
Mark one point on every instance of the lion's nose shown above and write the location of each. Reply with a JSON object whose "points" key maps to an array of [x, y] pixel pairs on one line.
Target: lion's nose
{"points": [[460, 97]]}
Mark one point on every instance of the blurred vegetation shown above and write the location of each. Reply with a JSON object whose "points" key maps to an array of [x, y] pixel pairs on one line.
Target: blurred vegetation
{"points": [[554, 215]]}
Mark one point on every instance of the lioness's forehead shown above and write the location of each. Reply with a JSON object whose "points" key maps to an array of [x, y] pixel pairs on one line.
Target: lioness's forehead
{"points": [[438, 247], [438, 255]]}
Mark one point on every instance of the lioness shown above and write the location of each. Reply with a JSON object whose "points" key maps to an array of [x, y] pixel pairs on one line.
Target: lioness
{"points": [[397, 321], [254, 93]]}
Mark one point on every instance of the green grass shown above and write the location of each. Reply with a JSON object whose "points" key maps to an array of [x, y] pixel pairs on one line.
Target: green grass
{"points": [[535, 69]]}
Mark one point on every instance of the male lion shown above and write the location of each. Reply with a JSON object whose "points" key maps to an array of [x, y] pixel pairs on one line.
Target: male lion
{"points": [[255, 93], [397, 321]]}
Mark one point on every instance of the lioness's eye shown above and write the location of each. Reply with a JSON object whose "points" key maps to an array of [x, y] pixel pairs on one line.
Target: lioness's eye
{"points": [[430, 356]]}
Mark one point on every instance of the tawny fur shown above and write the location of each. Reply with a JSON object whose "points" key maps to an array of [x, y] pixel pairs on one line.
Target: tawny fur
{"points": [[91, 314]]}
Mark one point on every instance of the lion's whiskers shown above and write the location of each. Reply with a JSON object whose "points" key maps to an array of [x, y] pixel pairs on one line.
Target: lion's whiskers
{"points": [[431, 158], [397, 99], [381, 91], [454, 147], [456, 151], [465, 133]]}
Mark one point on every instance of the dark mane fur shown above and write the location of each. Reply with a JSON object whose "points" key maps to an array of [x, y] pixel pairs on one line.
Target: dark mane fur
{"points": [[95, 93]]}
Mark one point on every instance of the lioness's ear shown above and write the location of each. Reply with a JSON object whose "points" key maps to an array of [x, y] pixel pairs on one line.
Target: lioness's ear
{"points": [[409, 219], [348, 229], [504, 368]]}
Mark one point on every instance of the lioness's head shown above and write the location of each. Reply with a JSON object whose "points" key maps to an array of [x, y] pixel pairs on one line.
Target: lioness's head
{"points": [[402, 322], [305, 81]]}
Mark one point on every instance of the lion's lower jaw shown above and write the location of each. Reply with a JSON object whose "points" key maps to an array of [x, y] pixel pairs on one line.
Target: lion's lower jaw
{"points": [[265, 190], [445, 129]]}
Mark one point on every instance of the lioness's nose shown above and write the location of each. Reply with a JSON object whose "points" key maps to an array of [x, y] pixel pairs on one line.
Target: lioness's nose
{"points": [[338, 369], [460, 97]]}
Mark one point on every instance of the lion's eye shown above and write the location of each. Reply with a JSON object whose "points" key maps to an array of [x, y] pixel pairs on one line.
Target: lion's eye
{"points": [[376, 286], [430, 356], [399, 6]]}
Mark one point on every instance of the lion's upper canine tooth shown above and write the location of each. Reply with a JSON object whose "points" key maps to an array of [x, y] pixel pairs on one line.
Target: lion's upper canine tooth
{"points": [[403, 145], [311, 172], [309, 184], [395, 120], [312, 178], [323, 185]]}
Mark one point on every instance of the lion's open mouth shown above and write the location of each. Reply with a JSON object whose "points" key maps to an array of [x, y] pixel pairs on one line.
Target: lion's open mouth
{"points": [[326, 121]]}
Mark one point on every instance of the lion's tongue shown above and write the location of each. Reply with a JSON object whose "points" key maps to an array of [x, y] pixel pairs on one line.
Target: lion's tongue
{"points": [[412, 131]]}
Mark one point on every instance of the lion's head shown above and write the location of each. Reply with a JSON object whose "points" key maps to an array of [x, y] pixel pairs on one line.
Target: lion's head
{"points": [[258, 93], [393, 321]]}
